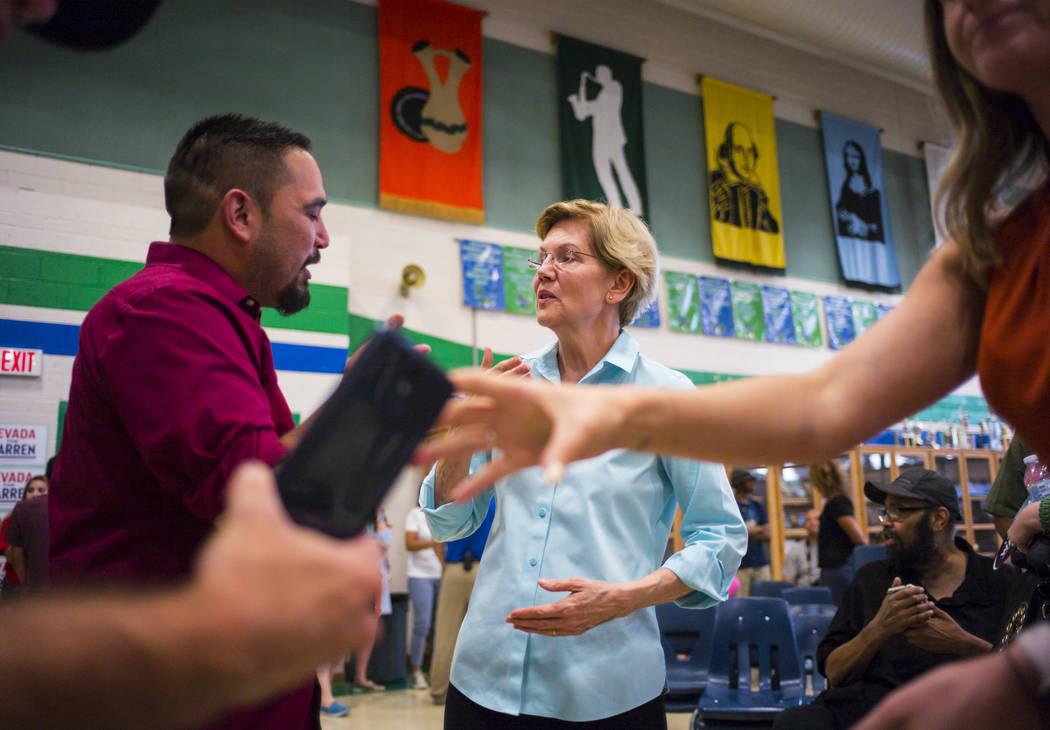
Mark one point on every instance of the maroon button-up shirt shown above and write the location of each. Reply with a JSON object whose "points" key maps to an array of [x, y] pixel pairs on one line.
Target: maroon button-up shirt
{"points": [[173, 386]]}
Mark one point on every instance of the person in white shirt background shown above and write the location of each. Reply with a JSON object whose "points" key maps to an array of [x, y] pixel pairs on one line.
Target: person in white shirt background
{"points": [[800, 556], [424, 582]]}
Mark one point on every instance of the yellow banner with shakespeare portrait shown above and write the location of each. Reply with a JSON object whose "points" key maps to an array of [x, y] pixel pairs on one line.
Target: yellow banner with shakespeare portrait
{"points": [[743, 178]]}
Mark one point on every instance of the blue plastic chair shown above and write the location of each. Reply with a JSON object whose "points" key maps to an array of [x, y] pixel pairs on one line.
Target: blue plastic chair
{"points": [[809, 594], [837, 579], [755, 670], [770, 588], [809, 632], [686, 636], [864, 554], [812, 609]]}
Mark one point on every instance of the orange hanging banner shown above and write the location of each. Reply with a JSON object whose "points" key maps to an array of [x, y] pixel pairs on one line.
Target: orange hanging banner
{"points": [[430, 97]]}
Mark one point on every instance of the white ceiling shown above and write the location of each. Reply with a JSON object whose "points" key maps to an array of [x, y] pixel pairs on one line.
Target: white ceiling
{"points": [[884, 37]]}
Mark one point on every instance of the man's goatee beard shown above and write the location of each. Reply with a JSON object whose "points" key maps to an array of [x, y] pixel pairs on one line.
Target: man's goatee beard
{"points": [[293, 299]]}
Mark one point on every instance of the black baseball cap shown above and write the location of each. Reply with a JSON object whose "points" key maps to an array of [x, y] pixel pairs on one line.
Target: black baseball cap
{"points": [[740, 476], [918, 483]]}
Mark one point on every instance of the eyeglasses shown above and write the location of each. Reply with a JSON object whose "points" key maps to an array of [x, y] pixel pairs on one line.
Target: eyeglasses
{"points": [[560, 259], [898, 513]]}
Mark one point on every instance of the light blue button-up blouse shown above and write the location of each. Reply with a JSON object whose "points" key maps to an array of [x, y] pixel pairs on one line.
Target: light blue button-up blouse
{"points": [[608, 519]]}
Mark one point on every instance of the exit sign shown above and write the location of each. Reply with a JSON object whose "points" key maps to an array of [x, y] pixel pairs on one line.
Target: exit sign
{"points": [[19, 361]]}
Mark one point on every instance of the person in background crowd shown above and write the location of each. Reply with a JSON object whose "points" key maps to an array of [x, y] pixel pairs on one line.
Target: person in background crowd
{"points": [[1008, 491], [15, 565], [232, 635], [27, 536], [933, 600], [330, 706], [462, 558], [755, 563], [801, 563], [380, 530], [424, 585], [591, 650], [839, 531]]}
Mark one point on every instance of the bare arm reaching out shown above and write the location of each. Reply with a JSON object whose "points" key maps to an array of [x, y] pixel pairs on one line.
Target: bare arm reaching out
{"points": [[921, 351]]}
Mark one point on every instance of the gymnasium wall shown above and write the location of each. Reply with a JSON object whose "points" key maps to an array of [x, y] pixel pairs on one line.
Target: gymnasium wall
{"points": [[84, 138]]}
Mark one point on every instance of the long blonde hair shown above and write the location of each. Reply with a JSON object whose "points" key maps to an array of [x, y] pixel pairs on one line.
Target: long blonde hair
{"points": [[998, 141]]}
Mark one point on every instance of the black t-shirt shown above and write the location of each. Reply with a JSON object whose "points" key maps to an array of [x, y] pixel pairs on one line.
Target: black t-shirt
{"points": [[833, 544], [980, 605]]}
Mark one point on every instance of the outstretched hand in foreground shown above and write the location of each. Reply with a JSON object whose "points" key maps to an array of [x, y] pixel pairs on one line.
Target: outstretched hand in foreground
{"points": [[530, 422]]}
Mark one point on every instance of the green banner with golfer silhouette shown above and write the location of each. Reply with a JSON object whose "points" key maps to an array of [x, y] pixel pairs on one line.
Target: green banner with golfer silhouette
{"points": [[600, 117]]}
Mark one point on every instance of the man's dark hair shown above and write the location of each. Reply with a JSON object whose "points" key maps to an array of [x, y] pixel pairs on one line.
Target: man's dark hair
{"points": [[221, 153]]}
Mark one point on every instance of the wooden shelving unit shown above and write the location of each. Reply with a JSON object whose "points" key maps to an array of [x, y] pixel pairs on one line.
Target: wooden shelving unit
{"points": [[788, 495]]}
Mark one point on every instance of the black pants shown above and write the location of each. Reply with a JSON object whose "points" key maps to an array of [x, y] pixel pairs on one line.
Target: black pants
{"points": [[461, 713]]}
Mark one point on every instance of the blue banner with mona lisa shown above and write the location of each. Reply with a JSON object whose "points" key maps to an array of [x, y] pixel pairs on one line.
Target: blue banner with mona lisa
{"points": [[859, 212]]}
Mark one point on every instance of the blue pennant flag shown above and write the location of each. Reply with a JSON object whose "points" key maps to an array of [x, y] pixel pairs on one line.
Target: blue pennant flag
{"points": [[482, 275], [649, 317], [839, 313], [780, 326], [716, 307]]}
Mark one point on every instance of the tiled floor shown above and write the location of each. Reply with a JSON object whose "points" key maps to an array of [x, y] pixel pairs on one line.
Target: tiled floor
{"points": [[413, 709]]}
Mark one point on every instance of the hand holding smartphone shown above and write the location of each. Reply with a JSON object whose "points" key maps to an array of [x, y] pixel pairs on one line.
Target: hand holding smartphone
{"points": [[363, 436]]}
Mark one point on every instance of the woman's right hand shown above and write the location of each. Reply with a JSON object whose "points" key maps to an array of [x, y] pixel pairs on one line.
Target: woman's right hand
{"points": [[511, 366]]}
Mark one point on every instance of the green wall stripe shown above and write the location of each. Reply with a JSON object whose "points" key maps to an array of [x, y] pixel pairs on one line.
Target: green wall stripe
{"points": [[449, 354], [62, 404], [35, 278], [446, 353]]}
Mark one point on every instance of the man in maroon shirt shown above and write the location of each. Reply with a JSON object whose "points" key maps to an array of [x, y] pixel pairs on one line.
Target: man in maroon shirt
{"points": [[174, 385]]}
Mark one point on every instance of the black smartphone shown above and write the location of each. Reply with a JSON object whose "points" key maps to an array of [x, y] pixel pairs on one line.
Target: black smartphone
{"points": [[364, 435]]}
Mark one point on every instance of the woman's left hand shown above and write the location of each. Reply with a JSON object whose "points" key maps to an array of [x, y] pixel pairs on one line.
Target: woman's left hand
{"points": [[1025, 526], [589, 603]]}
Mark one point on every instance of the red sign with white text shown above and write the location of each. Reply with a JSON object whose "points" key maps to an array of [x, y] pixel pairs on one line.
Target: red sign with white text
{"points": [[20, 361]]}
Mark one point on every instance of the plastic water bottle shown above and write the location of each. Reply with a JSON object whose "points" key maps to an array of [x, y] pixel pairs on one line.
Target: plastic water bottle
{"points": [[1036, 479]]}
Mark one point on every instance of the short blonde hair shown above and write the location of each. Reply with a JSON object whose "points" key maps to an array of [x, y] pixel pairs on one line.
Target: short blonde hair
{"points": [[620, 239]]}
